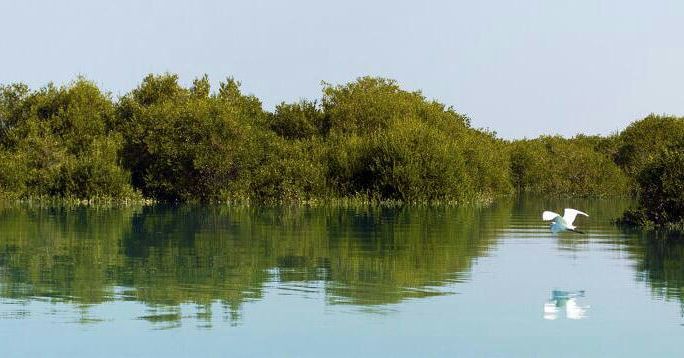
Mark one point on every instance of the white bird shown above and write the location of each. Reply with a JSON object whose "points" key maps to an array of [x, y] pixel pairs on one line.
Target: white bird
{"points": [[563, 223]]}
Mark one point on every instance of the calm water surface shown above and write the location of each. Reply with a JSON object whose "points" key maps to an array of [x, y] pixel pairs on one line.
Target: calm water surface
{"points": [[217, 281]]}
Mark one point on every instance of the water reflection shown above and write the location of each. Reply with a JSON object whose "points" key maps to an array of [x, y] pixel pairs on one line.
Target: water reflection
{"points": [[566, 301], [192, 261], [659, 261], [205, 264]]}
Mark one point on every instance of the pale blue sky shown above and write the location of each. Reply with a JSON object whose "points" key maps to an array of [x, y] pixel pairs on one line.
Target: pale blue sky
{"points": [[522, 68]]}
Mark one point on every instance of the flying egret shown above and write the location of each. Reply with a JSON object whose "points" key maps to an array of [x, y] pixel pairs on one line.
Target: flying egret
{"points": [[563, 223]]}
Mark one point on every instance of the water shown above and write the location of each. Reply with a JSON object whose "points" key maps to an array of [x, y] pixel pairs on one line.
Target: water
{"points": [[217, 281]]}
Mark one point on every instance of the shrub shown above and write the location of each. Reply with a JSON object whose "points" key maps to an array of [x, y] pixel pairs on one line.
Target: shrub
{"points": [[409, 162], [301, 120], [389, 144], [289, 171], [559, 166], [643, 140], [661, 192], [57, 141], [184, 144]]}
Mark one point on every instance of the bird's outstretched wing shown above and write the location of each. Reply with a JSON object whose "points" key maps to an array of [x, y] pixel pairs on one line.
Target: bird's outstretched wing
{"points": [[570, 214], [548, 215]]}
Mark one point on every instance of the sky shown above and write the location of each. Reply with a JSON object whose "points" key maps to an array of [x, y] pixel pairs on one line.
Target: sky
{"points": [[521, 68]]}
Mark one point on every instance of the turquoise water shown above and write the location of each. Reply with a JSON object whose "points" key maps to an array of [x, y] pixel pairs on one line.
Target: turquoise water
{"points": [[218, 281]]}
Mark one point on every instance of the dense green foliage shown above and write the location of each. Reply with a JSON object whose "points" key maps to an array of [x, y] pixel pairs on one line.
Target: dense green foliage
{"points": [[182, 144], [661, 193], [559, 166], [60, 142], [645, 140], [651, 151], [367, 140], [392, 144]]}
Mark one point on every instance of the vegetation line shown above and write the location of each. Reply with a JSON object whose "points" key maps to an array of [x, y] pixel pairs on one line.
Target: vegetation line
{"points": [[365, 141]]}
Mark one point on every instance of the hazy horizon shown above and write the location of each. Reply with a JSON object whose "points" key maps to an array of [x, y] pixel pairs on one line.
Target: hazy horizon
{"points": [[520, 69]]}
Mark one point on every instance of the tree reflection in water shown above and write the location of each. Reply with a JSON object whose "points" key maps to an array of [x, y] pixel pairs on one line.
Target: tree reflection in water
{"points": [[659, 262], [170, 257]]}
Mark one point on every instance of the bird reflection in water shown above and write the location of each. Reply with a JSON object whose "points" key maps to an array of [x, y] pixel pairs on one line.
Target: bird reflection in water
{"points": [[565, 300]]}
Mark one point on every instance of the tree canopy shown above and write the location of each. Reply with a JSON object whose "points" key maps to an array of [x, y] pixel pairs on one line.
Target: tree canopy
{"points": [[368, 139]]}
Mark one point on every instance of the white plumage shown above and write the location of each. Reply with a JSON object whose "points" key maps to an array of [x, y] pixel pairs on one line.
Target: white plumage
{"points": [[565, 222]]}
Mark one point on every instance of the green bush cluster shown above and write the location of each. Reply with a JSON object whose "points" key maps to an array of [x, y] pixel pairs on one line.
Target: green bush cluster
{"points": [[185, 143], [645, 140], [60, 142], [368, 139], [390, 144], [651, 152], [661, 193], [578, 166]]}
